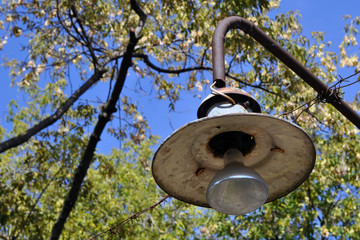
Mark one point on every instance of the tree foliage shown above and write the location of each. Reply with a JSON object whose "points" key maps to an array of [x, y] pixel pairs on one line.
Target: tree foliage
{"points": [[53, 180]]}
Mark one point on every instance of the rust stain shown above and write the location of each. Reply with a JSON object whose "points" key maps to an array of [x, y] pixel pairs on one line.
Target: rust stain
{"points": [[201, 190], [199, 171], [166, 149], [277, 149]]}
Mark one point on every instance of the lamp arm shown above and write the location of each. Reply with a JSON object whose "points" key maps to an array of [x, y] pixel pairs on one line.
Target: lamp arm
{"points": [[234, 22]]}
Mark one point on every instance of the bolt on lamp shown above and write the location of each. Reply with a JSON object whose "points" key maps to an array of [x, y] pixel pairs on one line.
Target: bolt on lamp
{"points": [[234, 158]]}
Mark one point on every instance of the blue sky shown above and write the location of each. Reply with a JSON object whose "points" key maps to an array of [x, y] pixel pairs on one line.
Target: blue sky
{"points": [[317, 15]]}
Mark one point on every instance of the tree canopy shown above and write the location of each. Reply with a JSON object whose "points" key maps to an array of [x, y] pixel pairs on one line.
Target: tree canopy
{"points": [[54, 183]]}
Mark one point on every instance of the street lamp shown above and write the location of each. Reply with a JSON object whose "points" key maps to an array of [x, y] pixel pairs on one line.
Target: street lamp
{"points": [[234, 158]]}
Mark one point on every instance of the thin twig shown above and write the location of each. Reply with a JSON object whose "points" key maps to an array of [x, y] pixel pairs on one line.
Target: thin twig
{"points": [[116, 228], [350, 77], [312, 205], [61, 21], [302, 105], [343, 79], [248, 84], [88, 40], [36, 202], [230, 64], [203, 56], [303, 111]]}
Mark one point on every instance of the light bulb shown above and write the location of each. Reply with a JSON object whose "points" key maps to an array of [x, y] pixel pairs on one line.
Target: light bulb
{"points": [[236, 189]]}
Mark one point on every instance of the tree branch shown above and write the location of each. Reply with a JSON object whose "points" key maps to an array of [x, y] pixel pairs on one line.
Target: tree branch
{"points": [[108, 109], [135, 6], [20, 139], [147, 61], [61, 21], [34, 205], [338, 83], [248, 84], [116, 228], [312, 205], [88, 41], [309, 103]]}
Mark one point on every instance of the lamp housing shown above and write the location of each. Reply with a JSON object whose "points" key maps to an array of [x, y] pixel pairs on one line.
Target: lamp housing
{"points": [[276, 153]]}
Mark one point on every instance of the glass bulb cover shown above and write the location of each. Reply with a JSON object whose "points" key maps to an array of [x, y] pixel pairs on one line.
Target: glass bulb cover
{"points": [[237, 190]]}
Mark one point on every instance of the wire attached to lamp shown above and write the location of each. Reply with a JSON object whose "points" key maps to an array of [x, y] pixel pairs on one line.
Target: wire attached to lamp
{"points": [[213, 90]]}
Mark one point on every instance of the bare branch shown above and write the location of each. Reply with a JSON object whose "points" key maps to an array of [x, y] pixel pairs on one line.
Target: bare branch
{"points": [[248, 84], [343, 79], [146, 59], [61, 21], [87, 40], [304, 110], [84, 39], [230, 63], [301, 106], [20, 139], [116, 228], [203, 56]]}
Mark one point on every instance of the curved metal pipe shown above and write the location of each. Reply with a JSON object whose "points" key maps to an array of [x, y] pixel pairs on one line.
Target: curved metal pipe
{"points": [[234, 22]]}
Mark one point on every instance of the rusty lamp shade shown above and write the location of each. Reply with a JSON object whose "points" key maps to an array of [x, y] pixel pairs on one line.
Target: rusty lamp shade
{"points": [[277, 156]]}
